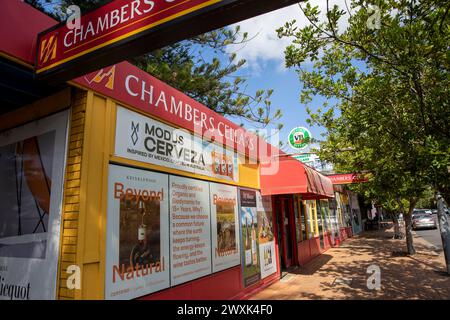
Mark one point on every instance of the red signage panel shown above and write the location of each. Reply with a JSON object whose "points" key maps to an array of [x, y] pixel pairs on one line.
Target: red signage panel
{"points": [[107, 25], [347, 178], [132, 86], [122, 29]]}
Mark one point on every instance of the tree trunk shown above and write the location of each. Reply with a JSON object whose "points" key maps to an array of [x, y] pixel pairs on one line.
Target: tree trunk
{"points": [[409, 235], [408, 225]]}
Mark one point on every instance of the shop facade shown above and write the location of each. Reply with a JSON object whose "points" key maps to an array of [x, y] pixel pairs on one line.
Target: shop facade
{"points": [[118, 186]]}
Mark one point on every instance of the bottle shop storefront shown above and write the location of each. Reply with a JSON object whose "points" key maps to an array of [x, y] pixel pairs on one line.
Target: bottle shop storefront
{"points": [[117, 186]]}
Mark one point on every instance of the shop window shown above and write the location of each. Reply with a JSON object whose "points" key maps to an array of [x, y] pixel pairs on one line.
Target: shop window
{"points": [[325, 215], [303, 223], [300, 219], [311, 214]]}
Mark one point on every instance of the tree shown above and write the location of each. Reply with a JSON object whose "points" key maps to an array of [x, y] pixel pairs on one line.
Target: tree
{"points": [[214, 82], [387, 90]]}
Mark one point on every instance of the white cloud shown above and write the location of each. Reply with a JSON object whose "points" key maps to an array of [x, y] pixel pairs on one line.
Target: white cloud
{"points": [[266, 46]]}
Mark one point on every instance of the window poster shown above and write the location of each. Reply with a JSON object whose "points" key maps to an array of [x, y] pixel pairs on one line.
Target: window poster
{"points": [[265, 235], [31, 181], [224, 227], [190, 229], [249, 228], [137, 248]]}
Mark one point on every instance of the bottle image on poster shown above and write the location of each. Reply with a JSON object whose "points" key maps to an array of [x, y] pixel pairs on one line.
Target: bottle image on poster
{"points": [[254, 246], [224, 227], [137, 247], [249, 223], [266, 236], [248, 246]]}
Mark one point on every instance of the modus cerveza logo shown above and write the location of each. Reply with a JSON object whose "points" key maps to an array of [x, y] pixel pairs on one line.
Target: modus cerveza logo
{"points": [[134, 132]]}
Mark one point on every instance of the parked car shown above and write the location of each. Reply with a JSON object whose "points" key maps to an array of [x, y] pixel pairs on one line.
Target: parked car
{"points": [[422, 219]]}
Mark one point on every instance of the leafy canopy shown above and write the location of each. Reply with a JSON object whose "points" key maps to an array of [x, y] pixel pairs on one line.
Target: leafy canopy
{"points": [[387, 91]]}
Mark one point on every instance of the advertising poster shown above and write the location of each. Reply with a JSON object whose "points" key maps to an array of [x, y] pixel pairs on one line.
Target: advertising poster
{"points": [[266, 238], [137, 247], [190, 229], [144, 139], [224, 227], [31, 175], [250, 239]]}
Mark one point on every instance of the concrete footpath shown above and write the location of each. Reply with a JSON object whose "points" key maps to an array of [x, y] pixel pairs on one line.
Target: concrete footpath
{"points": [[341, 273]]}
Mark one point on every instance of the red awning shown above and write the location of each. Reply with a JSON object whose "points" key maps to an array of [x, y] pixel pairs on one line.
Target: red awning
{"points": [[290, 176]]}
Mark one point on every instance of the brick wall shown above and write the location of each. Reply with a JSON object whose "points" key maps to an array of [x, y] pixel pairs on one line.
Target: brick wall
{"points": [[71, 203]]}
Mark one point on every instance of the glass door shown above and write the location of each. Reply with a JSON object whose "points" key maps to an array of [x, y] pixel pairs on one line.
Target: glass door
{"points": [[285, 231]]}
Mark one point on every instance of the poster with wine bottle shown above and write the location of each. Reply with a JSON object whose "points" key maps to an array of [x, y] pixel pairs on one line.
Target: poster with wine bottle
{"points": [[250, 241], [137, 246], [224, 226], [265, 235]]}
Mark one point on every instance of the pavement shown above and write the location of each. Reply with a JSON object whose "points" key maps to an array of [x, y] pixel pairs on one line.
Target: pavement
{"points": [[342, 272]]}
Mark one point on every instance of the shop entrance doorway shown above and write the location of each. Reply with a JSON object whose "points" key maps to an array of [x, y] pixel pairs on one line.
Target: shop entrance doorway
{"points": [[286, 231]]}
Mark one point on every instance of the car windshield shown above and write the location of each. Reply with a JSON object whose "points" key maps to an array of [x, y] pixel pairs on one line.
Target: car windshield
{"points": [[421, 212], [421, 215]]}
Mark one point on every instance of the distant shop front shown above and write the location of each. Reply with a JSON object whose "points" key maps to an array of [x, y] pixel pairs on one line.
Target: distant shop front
{"points": [[308, 216]]}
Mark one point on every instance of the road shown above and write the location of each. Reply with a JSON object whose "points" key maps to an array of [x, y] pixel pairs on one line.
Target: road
{"points": [[433, 237]]}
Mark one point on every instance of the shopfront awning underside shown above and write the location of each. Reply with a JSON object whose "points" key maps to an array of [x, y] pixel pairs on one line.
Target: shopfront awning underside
{"points": [[289, 176]]}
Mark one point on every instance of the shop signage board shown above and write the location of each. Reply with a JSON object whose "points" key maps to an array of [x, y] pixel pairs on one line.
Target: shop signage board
{"points": [[224, 227], [144, 139], [306, 157], [299, 138], [137, 246], [31, 172], [347, 178], [113, 24], [121, 29], [190, 229], [266, 235], [249, 228], [134, 87]]}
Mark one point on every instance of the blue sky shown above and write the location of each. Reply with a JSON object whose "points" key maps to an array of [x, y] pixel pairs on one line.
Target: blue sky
{"points": [[265, 65]]}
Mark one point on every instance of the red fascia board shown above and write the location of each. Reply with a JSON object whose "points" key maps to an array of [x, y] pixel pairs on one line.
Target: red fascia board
{"points": [[20, 24], [138, 89], [347, 178]]}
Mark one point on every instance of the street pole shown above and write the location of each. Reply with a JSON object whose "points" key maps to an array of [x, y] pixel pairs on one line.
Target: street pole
{"points": [[444, 229]]}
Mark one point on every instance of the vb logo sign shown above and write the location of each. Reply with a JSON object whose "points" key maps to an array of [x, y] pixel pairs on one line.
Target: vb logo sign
{"points": [[299, 138]]}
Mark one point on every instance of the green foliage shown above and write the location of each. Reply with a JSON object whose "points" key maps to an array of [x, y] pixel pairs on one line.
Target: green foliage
{"points": [[186, 66], [387, 93]]}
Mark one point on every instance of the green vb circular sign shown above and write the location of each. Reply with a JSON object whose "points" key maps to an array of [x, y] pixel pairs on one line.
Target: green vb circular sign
{"points": [[299, 138]]}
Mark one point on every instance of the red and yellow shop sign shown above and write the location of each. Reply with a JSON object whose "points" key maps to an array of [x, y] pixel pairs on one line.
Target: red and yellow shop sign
{"points": [[348, 178], [117, 21], [134, 87]]}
